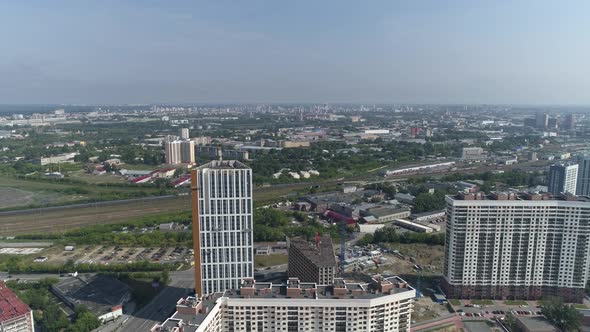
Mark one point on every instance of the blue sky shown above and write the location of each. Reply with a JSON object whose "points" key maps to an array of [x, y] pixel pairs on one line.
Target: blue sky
{"points": [[412, 51]]}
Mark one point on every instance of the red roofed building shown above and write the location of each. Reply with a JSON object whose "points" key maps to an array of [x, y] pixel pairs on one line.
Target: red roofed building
{"points": [[141, 179], [15, 315], [181, 181]]}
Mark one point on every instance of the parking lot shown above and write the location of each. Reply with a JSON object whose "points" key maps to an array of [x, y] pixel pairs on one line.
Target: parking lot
{"points": [[496, 309], [116, 254]]}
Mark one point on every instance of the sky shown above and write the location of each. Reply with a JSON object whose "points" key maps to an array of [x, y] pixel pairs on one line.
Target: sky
{"points": [[372, 51]]}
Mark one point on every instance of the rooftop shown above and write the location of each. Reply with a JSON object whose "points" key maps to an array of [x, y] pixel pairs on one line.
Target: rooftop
{"points": [[98, 293], [383, 211], [517, 196], [224, 164], [10, 305], [535, 323], [379, 286], [320, 255]]}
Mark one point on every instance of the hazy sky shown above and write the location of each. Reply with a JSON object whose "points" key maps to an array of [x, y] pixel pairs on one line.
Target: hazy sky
{"points": [[410, 51]]}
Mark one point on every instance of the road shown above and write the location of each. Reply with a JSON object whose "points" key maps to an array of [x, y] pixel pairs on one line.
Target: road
{"points": [[162, 305]]}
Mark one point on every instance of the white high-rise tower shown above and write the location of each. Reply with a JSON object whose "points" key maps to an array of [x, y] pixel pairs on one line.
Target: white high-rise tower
{"points": [[224, 238]]}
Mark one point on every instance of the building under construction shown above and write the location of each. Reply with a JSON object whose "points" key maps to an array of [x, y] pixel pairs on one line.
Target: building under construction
{"points": [[312, 261]]}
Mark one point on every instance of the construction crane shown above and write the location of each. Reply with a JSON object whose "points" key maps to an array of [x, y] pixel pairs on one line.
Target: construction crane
{"points": [[342, 246]]}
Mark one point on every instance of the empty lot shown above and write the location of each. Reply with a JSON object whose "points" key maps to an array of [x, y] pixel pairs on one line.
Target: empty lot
{"points": [[66, 219]]}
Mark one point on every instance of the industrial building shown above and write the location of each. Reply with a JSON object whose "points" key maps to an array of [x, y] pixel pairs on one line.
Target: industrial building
{"points": [[103, 295], [222, 225], [312, 261], [412, 226], [383, 213], [517, 246], [472, 154], [384, 304], [15, 315]]}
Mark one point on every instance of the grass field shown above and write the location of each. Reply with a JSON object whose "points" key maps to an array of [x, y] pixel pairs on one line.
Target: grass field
{"points": [[43, 193], [66, 219], [455, 302], [482, 302], [269, 260], [515, 302]]}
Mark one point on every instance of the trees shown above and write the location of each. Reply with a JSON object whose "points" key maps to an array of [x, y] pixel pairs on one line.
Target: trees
{"points": [[565, 317], [389, 235], [429, 202]]}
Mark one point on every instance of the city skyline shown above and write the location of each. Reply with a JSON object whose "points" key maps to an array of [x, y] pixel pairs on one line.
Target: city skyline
{"points": [[384, 52]]}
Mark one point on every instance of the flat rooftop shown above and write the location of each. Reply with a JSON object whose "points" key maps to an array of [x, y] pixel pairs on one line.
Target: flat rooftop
{"points": [[517, 196], [308, 290], [224, 164], [98, 293], [383, 211], [321, 255]]}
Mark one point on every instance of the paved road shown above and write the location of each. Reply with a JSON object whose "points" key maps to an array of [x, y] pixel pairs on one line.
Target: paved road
{"points": [[162, 305], [29, 277]]}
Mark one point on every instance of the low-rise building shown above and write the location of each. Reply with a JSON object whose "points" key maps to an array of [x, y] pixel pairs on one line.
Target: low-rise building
{"points": [[103, 295], [412, 226], [384, 214], [534, 324]]}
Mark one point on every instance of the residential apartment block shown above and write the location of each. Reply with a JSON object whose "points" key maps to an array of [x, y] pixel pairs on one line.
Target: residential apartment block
{"points": [[15, 315], [583, 184], [312, 261], [223, 236], [563, 178], [517, 246], [384, 304]]}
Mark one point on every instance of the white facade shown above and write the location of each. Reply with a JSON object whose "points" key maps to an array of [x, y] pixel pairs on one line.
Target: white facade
{"points": [[23, 323], [184, 133], [517, 242], [563, 178], [172, 152], [384, 314], [225, 217], [306, 307]]}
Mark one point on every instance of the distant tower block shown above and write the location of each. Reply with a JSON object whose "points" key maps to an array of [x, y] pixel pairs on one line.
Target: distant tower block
{"points": [[184, 133]]}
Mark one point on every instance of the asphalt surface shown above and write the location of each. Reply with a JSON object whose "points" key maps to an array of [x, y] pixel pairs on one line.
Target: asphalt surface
{"points": [[162, 305]]}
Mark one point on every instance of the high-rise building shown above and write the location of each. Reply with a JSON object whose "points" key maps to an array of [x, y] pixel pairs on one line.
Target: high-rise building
{"points": [[542, 120], [172, 152], [570, 122], [312, 261], [222, 225], [563, 178], [583, 184], [15, 315], [382, 305], [517, 246], [187, 152], [184, 133]]}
